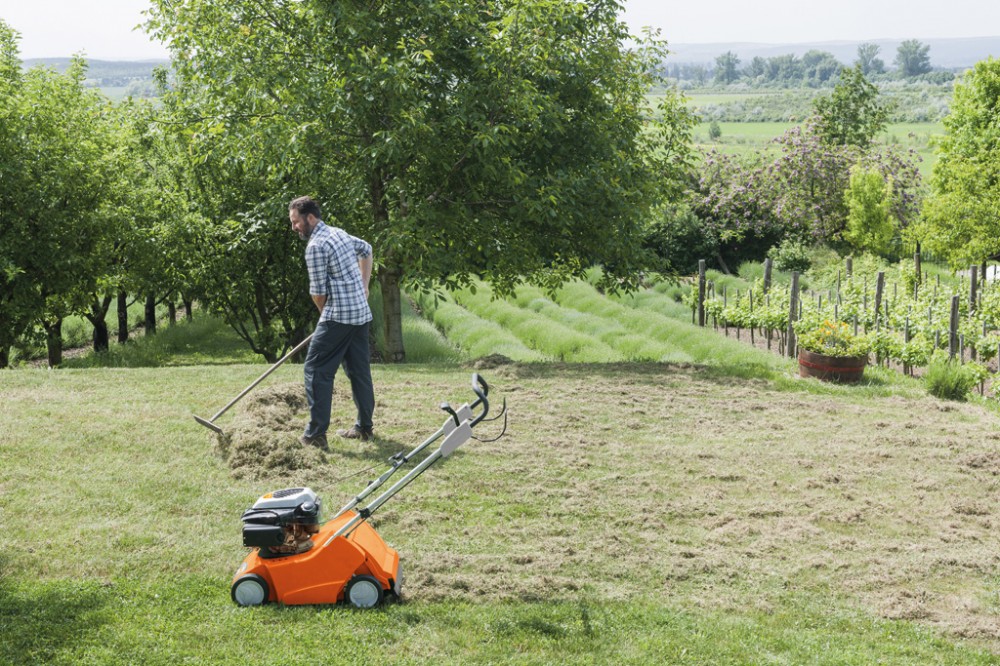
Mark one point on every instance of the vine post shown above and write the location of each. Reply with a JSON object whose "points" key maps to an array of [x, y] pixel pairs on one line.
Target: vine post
{"points": [[701, 292], [793, 311], [953, 328]]}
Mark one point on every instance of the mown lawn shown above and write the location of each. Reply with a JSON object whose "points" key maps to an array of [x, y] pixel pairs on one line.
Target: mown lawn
{"points": [[635, 513]]}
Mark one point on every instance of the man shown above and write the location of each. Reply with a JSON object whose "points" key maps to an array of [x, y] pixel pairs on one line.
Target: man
{"points": [[340, 267]]}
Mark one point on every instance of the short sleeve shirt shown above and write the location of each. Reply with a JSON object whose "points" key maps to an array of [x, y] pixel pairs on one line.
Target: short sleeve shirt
{"points": [[332, 260]]}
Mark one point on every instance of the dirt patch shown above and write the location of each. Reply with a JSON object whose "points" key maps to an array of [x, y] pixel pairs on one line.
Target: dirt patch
{"points": [[263, 438]]}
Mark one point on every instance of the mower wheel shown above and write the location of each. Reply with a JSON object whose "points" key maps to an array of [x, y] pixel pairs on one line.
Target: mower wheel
{"points": [[250, 590], [363, 592]]}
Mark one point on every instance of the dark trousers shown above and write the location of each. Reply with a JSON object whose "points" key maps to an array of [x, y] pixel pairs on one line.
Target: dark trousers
{"points": [[334, 343]]}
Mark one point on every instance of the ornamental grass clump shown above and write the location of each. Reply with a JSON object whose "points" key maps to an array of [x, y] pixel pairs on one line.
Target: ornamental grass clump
{"points": [[948, 379], [831, 338]]}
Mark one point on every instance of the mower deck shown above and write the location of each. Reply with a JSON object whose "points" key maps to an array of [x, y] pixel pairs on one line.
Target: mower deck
{"points": [[321, 574]]}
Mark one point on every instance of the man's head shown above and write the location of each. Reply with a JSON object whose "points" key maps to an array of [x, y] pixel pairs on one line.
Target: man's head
{"points": [[304, 215]]}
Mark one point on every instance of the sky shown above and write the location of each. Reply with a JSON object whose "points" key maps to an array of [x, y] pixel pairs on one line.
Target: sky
{"points": [[103, 29]]}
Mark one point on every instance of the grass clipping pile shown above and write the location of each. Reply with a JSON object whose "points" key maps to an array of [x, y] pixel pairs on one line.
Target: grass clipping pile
{"points": [[263, 439]]}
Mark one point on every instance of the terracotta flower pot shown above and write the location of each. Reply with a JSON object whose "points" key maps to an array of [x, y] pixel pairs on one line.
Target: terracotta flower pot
{"points": [[846, 369]]}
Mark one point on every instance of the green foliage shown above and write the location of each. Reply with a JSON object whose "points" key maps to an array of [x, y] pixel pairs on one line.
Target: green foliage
{"points": [[853, 114], [912, 58], [714, 131], [948, 379], [726, 67], [868, 60], [533, 151], [792, 254], [962, 216], [678, 239], [870, 225], [831, 338], [55, 178]]}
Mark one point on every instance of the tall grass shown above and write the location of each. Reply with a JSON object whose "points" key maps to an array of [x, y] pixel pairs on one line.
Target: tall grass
{"points": [[661, 318], [477, 337], [421, 340], [538, 332], [632, 346]]}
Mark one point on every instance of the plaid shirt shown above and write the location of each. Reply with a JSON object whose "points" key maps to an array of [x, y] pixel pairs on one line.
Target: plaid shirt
{"points": [[332, 260]]}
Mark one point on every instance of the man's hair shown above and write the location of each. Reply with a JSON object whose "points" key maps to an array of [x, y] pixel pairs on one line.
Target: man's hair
{"points": [[305, 207]]}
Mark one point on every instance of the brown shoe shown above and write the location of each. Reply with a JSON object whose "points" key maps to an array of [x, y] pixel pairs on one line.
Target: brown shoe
{"points": [[357, 432], [319, 441]]}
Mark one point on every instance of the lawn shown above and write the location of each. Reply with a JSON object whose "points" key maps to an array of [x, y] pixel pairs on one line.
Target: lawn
{"points": [[635, 513]]}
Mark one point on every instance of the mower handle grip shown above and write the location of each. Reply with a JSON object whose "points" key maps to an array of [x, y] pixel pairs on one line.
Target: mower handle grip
{"points": [[481, 389]]}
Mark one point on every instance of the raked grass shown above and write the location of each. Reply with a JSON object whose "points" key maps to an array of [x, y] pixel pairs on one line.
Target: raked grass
{"points": [[634, 514]]}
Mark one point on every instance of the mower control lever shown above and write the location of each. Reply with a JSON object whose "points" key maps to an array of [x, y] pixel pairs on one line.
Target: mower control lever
{"points": [[447, 408]]}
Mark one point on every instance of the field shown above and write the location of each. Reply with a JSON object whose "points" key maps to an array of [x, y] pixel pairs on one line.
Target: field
{"points": [[713, 511], [753, 136]]}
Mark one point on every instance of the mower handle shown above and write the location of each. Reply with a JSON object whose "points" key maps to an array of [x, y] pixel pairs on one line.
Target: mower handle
{"points": [[481, 389]]}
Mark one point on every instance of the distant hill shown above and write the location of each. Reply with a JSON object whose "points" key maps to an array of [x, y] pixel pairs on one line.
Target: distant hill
{"points": [[958, 53], [114, 77], [105, 72]]}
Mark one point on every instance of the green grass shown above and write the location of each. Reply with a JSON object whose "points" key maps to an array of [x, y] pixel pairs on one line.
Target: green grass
{"points": [[631, 346], [475, 336], [203, 341], [752, 137], [538, 332], [635, 514]]}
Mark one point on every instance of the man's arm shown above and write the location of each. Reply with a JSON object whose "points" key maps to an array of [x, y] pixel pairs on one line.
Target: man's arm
{"points": [[320, 301], [365, 264]]}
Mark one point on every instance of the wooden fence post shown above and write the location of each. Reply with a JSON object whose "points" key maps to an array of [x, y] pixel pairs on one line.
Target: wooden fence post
{"points": [[793, 311], [767, 274], [973, 283], [701, 292], [879, 287], [850, 267], [953, 328]]}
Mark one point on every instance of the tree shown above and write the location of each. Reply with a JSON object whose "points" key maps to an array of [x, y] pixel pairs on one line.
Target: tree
{"points": [[784, 68], [751, 202], [54, 177], [870, 225], [491, 138], [756, 70], [962, 216], [818, 67], [912, 58], [868, 59], [853, 113], [726, 68]]}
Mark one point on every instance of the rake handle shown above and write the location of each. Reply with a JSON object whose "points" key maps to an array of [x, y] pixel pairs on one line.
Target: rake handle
{"points": [[264, 376]]}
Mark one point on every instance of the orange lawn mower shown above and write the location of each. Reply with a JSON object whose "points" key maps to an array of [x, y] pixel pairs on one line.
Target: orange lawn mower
{"points": [[296, 560]]}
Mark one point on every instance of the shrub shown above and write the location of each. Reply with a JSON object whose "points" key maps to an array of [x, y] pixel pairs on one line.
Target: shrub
{"points": [[679, 239], [790, 255], [950, 380]]}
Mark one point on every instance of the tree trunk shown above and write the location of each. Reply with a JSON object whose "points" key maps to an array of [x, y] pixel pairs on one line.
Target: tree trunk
{"points": [[122, 316], [4, 356], [150, 323], [53, 341], [98, 319], [392, 312], [188, 308], [171, 311]]}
